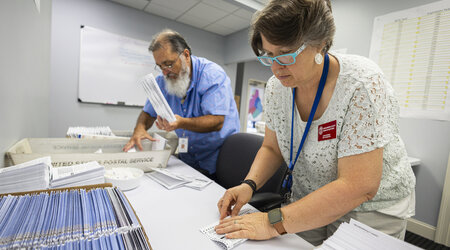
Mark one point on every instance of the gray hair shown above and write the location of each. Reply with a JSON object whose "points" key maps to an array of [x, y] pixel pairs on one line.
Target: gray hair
{"points": [[292, 23], [176, 41]]}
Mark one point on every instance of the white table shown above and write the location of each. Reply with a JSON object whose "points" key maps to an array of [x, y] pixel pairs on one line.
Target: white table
{"points": [[172, 218], [414, 161]]}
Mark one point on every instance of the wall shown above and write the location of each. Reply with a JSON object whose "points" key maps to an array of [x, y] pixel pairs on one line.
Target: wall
{"points": [[24, 71], [424, 139], [67, 17], [238, 48]]}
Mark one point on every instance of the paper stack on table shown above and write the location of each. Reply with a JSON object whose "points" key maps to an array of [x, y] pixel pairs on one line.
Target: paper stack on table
{"points": [[27, 176], [89, 132], [172, 180], [356, 235], [78, 175], [156, 98]]}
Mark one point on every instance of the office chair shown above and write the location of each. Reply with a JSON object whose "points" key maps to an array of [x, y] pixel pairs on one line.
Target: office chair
{"points": [[235, 159]]}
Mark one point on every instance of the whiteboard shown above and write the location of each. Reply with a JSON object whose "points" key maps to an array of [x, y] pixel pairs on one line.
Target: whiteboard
{"points": [[111, 66]]}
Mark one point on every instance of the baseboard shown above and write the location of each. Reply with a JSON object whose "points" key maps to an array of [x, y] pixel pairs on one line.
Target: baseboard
{"points": [[420, 228]]}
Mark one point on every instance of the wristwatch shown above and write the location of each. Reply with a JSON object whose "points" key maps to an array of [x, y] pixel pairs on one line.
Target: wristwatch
{"points": [[276, 219]]}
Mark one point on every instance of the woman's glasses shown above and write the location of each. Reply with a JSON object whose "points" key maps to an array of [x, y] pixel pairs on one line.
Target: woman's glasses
{"points": [[285, 59]]}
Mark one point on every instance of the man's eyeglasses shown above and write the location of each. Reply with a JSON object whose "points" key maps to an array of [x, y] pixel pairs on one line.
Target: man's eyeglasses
{"points": [[167, 65], [285, 59]]}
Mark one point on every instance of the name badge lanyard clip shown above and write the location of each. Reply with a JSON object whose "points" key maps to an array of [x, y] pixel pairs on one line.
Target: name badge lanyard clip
{"points": [[287, 183]]}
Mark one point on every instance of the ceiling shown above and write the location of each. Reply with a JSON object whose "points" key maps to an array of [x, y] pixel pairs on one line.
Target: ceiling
{"points": [[221, 17]]}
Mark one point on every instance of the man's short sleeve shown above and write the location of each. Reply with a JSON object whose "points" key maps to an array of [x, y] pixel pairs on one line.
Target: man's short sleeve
{"points": [[148, 108], [216, 92]]}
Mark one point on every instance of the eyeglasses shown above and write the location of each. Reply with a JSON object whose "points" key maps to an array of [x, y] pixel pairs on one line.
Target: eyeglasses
{"points": [[167, 65], [285, 59]]}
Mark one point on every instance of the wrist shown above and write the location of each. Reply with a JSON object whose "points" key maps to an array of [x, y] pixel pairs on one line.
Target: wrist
{"points": [[276, 218], [139, 127], [182, 122], [250, 183]]}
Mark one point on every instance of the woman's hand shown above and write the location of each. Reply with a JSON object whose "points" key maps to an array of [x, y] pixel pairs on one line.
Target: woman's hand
{"points": [[237, 196], [254, 226]]}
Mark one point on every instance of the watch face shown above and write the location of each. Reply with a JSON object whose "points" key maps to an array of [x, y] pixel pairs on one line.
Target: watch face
{"points": [[275, 216]]}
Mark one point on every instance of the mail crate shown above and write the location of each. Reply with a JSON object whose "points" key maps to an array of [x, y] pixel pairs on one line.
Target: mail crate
{"points": [[69, 151]]}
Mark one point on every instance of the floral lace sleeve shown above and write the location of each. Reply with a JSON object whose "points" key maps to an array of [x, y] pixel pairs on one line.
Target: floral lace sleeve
{"points": [[371, 118], [270, 105]]}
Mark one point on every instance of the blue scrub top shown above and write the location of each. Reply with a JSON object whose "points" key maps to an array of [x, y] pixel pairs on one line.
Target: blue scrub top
{"points": [[209, 94]]}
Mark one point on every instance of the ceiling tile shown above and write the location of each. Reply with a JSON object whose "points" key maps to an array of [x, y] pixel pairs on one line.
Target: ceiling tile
{"points": [[205, 12], [137, 4], [219, 29], [193, 21], [177, 4], [221, 4], [162, 11], [233, 22], [244, 14]]}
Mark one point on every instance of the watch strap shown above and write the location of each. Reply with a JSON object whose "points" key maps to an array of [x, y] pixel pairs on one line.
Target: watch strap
{"points": [[276, 219], [251, 183], [280, 228]]}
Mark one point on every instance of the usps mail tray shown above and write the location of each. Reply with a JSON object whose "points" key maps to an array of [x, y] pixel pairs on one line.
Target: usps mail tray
{"points": [[70, 151]]}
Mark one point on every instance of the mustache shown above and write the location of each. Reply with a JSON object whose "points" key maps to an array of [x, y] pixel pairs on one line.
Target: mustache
{"points": [[171, 75]]}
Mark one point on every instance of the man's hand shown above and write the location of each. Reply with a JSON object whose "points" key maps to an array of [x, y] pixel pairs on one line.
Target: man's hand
{"points": [[163, 124], [138, 135]]}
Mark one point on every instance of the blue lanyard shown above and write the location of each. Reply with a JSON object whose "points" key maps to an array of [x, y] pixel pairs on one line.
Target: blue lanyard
{"points": [[288, 179]]}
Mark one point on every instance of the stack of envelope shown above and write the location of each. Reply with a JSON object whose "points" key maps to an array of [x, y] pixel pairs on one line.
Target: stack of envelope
{"points": [[31, 175], [78, 175]]}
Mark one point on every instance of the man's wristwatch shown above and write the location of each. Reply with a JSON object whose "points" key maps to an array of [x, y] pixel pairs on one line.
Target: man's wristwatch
{"points": [[276, 219]]}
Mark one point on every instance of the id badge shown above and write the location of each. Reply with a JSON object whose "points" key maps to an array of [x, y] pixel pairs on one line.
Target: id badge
{"points": [[183, 145]]}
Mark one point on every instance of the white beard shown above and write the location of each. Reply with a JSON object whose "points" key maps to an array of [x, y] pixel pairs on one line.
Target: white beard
{"points": [[180, 85]]}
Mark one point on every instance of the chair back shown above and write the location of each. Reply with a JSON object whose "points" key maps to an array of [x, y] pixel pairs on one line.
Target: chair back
{"points": [[235, 159]]}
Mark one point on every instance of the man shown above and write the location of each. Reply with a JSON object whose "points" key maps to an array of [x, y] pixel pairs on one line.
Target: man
{"points": [[199, 93]]}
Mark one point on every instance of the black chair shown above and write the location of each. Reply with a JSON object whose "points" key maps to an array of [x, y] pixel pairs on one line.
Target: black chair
{"points": [[235, 159]]}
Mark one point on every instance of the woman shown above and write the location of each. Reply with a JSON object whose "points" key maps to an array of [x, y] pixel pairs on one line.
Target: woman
{"points": [[353, 163]]}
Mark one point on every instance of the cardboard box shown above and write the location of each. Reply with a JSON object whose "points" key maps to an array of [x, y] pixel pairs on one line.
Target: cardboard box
{"points": [[87, 188], [69, 151]]}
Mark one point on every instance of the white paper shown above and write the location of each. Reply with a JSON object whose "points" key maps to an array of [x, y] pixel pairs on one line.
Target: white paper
{"points": [[156, 98], [31, 175], [220, 239], [165, 178], [195, 182], [356, 235], [90, 132], [78, 175], [160, 144], [170, 179]]}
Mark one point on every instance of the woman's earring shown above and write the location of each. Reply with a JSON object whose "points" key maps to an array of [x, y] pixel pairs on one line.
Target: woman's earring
{"points": [[318, 58]]}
